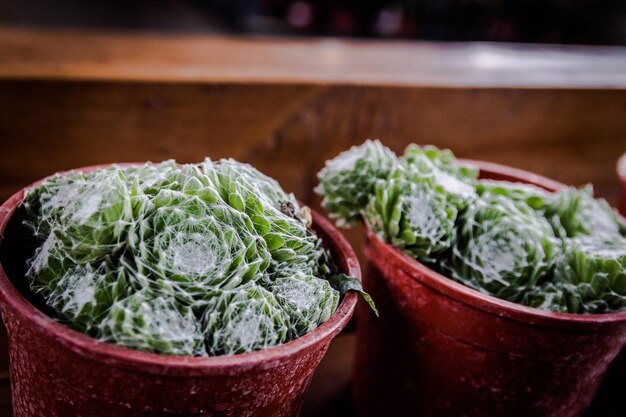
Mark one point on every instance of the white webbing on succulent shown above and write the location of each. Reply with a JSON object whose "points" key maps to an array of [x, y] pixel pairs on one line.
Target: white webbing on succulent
{"points": [[501, 247], [510, 240], [213, 258]]}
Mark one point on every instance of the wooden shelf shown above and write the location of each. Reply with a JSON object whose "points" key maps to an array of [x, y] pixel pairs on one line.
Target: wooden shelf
{"points": [[57, 54]]}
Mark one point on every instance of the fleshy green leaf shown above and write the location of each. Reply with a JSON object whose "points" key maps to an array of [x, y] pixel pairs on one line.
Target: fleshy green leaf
{"points": [[344, 283]]}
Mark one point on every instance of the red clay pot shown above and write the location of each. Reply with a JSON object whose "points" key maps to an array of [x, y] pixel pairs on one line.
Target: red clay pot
{"points": [[620, 362], [58, 372], [440, 348]]}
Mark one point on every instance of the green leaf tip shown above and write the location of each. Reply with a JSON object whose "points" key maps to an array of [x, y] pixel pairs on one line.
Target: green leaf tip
{"points": [[344, 283]]}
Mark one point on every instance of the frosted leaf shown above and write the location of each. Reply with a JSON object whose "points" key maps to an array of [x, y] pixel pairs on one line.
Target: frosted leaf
{"points": [[594, 267], [64, 195], [48, 264], [454, 186], [153, 324], [42, 255], [498, 259], [88, 207], [84, 293], [432, 159], [577, 213], [243, 320], [420, 212], [309, 301], [173, 258], [194, 257], [412, 216], [90, 224], [149, 174], [502, 249], [346, 181], [346, 161]]}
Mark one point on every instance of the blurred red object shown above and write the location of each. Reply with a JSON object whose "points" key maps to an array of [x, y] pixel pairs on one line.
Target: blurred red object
{"points": [[621, 174]]}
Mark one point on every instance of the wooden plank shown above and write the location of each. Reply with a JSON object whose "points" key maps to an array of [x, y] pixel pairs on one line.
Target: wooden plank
{"points": [[289, 130], [28, 53]]}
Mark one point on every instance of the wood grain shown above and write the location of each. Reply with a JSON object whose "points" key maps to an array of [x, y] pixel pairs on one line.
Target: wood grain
{"points": [[28, 53], [70, 99], [288, 131]]}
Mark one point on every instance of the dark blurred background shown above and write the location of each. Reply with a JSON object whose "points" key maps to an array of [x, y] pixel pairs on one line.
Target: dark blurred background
{"points": [[542, 21]]}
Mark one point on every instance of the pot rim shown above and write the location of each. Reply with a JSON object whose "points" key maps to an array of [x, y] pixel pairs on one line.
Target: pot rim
{"points": [[182, 365], [479, 300]]}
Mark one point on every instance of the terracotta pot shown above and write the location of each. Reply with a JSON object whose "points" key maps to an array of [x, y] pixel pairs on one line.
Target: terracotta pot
{"points": [[56, 371], [621, 175], [440, 348], [620, 362]]}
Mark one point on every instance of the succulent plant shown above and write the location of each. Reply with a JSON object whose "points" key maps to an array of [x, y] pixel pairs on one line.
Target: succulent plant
{"points": [[439, 170], [306, 299], [443, 159], [243, 320], [535, 197], [95, 212], [83, 294], [199, 259], [154, 323], [412, 215], [510, 240], [275, 215], [502, 249], [593, 269], [576, 212], [347, 181]]}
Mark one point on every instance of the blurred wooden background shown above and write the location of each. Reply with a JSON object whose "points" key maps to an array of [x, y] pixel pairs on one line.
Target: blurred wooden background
{"points": [[69, 99]]}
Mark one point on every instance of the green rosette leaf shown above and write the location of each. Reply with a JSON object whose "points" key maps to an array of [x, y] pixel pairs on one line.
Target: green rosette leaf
{"points": [[275, 215], [576, 212], [443, 159], [308, 301], [347, 181], [534, 197], [412, 215], [344, 283], [439, 170], [151, 323], [190, 247], [502, 249], [90, 216], [243, 320], [84, 294], [593, 269]]}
